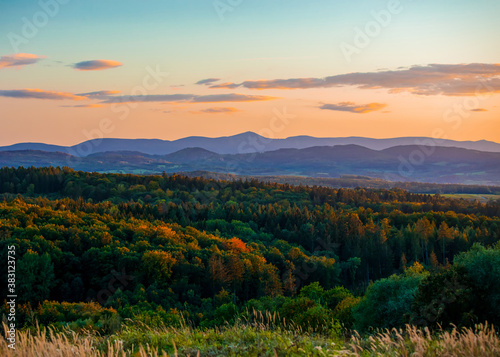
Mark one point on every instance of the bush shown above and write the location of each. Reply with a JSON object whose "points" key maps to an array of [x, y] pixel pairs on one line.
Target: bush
{"points": [[445, 298], [224, 314], [344, 311], [307, 314], [387, 302]]}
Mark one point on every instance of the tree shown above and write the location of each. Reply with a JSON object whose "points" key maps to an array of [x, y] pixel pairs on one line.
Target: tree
{"points": [[403, 261], [158, 265], [218, 271], [445, 233], [289, 283], [483, 268], [434, 260], [424, 229], [387, 302], [313, 291], [350, 266], [270, 281], [444, 298], [35, 277]]}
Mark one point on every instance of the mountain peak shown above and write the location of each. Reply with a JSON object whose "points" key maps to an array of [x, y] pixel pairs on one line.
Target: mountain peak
{"points": [[247, 134]]}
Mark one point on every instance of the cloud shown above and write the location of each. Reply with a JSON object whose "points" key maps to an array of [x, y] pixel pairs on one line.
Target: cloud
{"points": [[160, 110], [479, 110], [107, 96], [40, 94], [84, 106], [150, 98], [218, 110], [18, 60], [176, 87], [354, 108], [227, 85], [208, 81], [191, 98], [96, 65], [102, 94], [231, 98], [433, 79]]}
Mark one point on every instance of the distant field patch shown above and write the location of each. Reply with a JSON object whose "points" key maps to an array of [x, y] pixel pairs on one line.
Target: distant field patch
{"points": [[470, 196]]}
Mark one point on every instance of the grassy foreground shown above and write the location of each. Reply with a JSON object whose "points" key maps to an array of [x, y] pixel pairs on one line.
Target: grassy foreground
{"points": [[253, 339]]}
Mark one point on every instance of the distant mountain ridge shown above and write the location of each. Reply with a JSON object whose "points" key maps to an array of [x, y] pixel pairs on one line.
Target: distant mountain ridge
{"points": [[399, 163], [243, 143]]}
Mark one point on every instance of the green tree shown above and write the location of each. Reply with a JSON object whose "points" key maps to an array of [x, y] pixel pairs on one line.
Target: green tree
{"points": [[483, 268], [35, 277], [443, 298], [387, 302]]}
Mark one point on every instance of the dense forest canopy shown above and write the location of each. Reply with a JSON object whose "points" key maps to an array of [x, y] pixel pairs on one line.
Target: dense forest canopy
{"points": [[169, 244]]}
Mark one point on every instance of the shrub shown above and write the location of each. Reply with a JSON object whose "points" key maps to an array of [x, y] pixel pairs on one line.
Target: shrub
{"points": [[387, 302]]}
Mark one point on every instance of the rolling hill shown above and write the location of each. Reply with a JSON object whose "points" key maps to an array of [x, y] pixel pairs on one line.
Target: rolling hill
{"points": [[400, 163]]}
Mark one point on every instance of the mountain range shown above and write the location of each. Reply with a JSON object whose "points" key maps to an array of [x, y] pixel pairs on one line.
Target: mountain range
{"points": [[434, 164], [244, 143]]}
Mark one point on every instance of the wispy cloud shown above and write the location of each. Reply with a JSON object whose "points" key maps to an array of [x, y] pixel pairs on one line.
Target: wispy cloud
{"points": [[18, 60], [150, 98], [232, 97], [226, 85], [108, 96], [40, 94], [219, 110], [84, 106], [176, 86], [96, 65], [193, 98], [208, 81], [479, 110], [354, 108], [101, 94], [432, 79]]}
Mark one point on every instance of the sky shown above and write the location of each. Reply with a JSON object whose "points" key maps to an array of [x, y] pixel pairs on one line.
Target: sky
{"points": [[73, 70]]}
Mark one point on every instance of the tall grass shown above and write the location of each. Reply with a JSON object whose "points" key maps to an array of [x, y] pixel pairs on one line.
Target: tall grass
{"points": [[257, 335], [481, 341]]}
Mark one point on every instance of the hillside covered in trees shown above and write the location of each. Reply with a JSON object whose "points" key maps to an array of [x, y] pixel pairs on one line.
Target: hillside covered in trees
{"points": [[97, 250]]}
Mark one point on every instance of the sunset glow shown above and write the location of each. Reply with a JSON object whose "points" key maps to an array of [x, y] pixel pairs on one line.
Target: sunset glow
{"points": [[168, 70]]}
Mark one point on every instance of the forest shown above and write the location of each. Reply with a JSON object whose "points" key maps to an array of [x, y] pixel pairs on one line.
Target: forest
{"points": [[101, 252]]}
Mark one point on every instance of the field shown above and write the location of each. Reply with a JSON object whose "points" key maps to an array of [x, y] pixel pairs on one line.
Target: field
{"points": [[480, 197], [255, 339]]}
